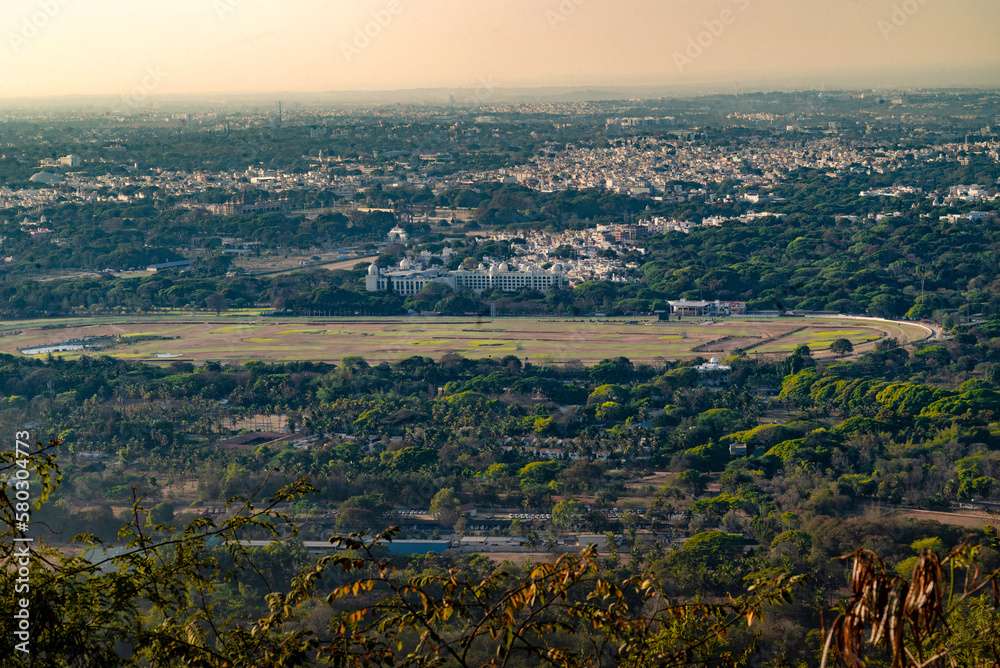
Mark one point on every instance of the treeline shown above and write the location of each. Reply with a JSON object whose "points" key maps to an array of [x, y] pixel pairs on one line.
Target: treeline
{"points": [[897, 267], [883, 270], [302, 293], [245, 141], [908, 266], [127, 237]]}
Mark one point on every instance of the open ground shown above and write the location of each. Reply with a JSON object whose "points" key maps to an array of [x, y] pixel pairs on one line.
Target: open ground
{"points": [[245, 337]]}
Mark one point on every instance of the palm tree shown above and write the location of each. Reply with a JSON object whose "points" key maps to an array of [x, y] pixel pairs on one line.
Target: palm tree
{"points": [[610, 545], [638, 557], [531, 540]]}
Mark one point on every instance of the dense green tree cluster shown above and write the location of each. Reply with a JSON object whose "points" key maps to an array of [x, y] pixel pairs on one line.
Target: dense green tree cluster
{"points": [[887, 269]]}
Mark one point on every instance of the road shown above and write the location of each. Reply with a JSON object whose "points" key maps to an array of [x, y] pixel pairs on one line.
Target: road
{"points": [[332, 266]]}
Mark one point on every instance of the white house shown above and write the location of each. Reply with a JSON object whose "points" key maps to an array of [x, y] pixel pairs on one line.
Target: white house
{"points": [[713, 374]]}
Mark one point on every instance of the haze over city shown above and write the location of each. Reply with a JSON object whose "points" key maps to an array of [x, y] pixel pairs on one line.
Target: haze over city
{"points": [[106, 47]]}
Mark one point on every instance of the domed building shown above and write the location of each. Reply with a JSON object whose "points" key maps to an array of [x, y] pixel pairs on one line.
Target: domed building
{"points": [[372, 279], [46, 179]]}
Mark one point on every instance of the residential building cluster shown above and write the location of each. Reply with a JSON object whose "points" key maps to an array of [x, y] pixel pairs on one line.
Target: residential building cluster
{"points": [[674, 167], [585, 255], [653, 166], [645, 122]]}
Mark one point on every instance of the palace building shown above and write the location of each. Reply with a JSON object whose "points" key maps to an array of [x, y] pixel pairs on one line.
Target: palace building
{"points": [[407, 280]]}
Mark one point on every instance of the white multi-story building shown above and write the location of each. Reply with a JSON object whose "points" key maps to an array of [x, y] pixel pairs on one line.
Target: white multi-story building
{"points": [[714, 373], [699, 309], [406, 280]]}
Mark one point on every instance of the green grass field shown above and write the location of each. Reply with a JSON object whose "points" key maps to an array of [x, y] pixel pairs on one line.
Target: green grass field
{"points": [[239, 338], [817, 340]]}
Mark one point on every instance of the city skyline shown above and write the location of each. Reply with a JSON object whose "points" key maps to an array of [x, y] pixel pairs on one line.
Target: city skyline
{"points": [[193, 47]]}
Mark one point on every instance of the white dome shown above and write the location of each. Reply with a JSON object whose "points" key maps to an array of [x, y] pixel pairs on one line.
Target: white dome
{"points": [[373, 270], [556, 268], [47, 178], [405, 264], [504, 267], [482, 266], [714, 360]]}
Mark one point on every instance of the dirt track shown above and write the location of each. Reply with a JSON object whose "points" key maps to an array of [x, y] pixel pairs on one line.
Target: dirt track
{"points": [[973, 519], [207, 337]]}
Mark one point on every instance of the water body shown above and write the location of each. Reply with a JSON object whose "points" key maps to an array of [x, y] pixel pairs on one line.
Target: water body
{"points": [[45, 350]]}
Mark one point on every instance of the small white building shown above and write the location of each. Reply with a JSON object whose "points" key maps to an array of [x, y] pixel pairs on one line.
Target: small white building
{"points": [[397, 235], [713, 374], [700, 309]]}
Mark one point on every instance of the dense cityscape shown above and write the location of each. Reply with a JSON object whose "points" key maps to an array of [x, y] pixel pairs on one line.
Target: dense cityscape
{"points": [[571, 371]]}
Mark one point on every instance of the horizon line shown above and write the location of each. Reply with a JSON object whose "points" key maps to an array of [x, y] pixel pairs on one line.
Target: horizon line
{"points": [[744, 89]]}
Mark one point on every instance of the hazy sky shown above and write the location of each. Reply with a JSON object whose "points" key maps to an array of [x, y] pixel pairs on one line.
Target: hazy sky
{"points": [[67, 47]]}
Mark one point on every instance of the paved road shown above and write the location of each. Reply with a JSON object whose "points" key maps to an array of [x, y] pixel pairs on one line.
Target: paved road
{"points": [[332, 266]]}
